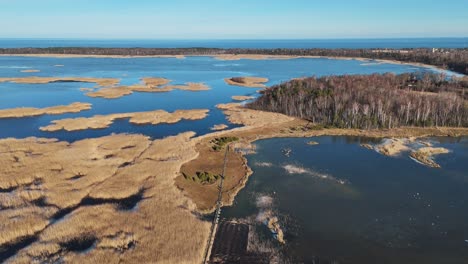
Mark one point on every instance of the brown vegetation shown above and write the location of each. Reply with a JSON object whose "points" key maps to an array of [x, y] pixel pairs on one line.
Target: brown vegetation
{"points": [[53, 110], [42, 80], [219, 127], [425, 155], [112, 196], [139, 118], [254, 82], [393, 147], [150, 85], [239, 115], [242, 98]]}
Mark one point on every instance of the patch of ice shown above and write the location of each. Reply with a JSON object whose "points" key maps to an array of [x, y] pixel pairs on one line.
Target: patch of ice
{"points": [[263, 164]]}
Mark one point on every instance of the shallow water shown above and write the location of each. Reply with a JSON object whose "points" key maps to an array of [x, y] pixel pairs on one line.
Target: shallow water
{"points": [[192, 69], [390, 209]]}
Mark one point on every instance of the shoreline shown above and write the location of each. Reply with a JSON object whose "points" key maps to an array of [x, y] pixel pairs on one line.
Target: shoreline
{"points": [[138, 155], [239, 171], [375, 134], [231, 57]]}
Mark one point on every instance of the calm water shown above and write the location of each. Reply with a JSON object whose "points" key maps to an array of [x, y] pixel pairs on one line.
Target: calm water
{"points": [[391, 210], [192, 69], [297, 43]]}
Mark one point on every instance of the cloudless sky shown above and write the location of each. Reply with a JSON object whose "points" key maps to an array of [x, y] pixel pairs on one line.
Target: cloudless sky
{"points": [[232, 19]]}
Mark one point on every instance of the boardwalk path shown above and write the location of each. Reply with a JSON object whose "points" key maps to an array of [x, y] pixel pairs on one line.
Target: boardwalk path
{"points": [[219, 202]]}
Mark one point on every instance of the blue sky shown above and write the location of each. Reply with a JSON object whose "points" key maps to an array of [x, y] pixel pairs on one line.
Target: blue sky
{"points": [[232, 19]]}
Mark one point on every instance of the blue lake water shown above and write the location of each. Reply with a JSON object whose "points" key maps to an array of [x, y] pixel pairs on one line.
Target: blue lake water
{"points": [[395, 43], [192, 69], [391, 209]]}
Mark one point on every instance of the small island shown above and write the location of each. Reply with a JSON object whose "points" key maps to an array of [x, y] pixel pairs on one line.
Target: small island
{"points": [[139, 118], [150, 85], [53, 110], [254, 82]]}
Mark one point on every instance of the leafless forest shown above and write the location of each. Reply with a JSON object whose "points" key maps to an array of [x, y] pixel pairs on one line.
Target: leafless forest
{"points": [[371, 101]]}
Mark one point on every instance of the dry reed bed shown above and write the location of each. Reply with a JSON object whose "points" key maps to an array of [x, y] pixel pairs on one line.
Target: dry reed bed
{"points": [[253, 82], [53, 110], [43, 80], [242, 98], [149, 85], [138, 118], [82, 186]]}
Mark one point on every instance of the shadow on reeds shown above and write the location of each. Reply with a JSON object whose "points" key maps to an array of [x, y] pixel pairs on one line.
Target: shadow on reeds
{"points": [[9, 189], [124, 204], [10, 249], [80, 244]]}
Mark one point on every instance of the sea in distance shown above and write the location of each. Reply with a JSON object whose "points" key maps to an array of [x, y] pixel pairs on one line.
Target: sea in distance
{"points": [[391, 43]]}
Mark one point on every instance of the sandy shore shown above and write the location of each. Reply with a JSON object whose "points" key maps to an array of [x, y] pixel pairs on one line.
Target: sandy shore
{"points": [[53, 110], [139, 118], [254, 82], [393, 147], [235, 57], [43, 80], [29, 71], [219, 127], [242, 98], [116, 193], [425, 155], [284, 57]]}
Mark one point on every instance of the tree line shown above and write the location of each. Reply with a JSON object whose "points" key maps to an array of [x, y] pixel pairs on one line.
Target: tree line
{"points": [[371, 101], [452, 59]]}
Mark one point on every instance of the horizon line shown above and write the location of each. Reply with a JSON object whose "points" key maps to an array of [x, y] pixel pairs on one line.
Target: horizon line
{"points": [[227, 39]]}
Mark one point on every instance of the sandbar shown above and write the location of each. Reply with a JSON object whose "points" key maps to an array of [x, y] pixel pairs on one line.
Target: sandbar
{"points": [[235, 57], [219, 127], [28, 71], [253, 82], [44, 80], [53, 110], [239, 115], [425, 155], [393, 147], [139, 118], [242, 98]]}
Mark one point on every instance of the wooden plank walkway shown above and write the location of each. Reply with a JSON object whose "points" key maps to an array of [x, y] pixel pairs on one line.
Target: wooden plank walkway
{"points": [[219, 202]]}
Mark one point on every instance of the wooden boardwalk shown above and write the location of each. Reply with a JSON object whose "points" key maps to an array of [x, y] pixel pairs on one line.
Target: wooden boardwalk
{"points": [[219, 204]]}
